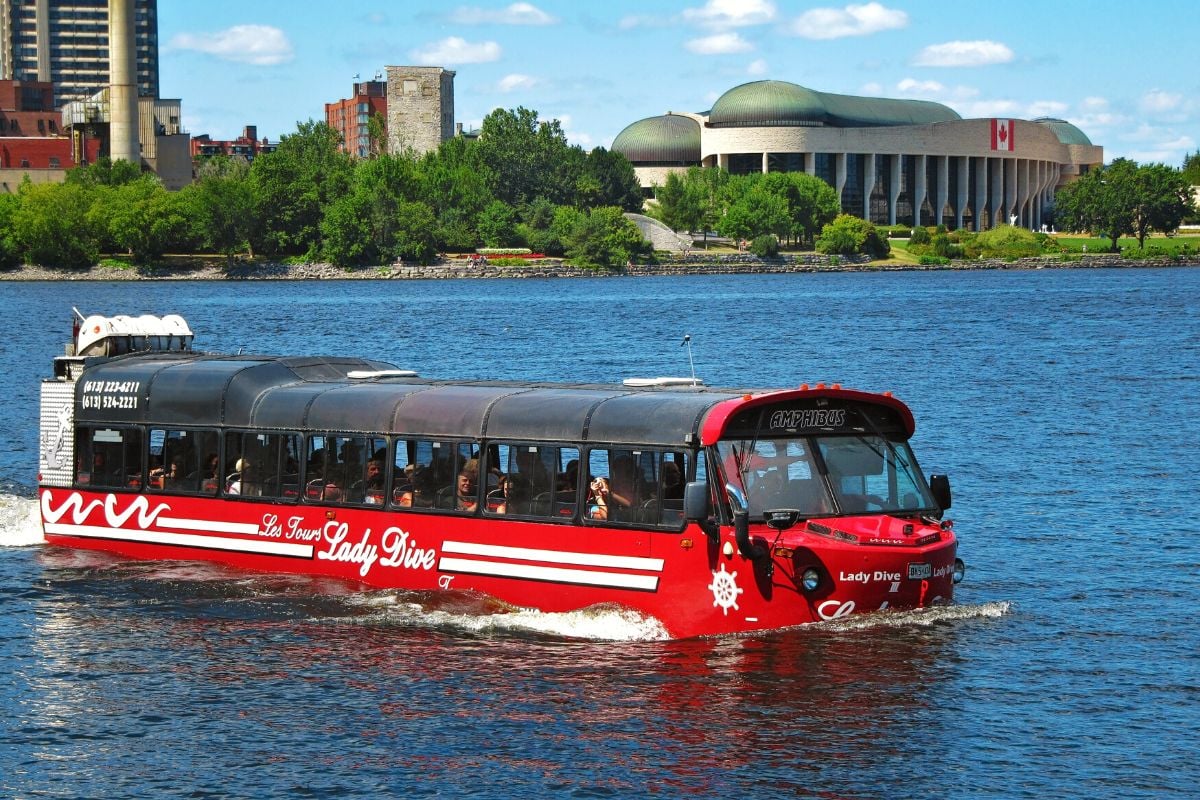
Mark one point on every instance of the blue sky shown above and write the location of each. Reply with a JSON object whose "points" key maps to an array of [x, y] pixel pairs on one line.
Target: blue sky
{"points": [[1125, 73]]}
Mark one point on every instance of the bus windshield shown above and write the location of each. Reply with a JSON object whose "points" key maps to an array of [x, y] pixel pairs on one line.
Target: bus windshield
{"points": [[860, 474]]}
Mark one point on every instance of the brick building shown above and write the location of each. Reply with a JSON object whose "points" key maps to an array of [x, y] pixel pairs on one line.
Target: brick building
{"points": [[890, 161], [350, 118], [248, 145], [32, 140]]}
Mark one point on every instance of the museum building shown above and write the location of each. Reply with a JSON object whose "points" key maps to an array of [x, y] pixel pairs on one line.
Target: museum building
{"points": [[911, 162]]}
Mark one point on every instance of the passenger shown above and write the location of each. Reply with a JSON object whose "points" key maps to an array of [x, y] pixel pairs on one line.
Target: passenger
{"points": [[165, 477], [616, 498], [465, 495], [233, 484], [672, 480], [374, 483], [517, 494]]}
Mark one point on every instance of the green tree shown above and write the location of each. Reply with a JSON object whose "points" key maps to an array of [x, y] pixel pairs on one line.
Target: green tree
{"points": [[1164, 199], [1103, 201], [497, 225], [222, 208], [141, 218], [295, 184], [676, 206], [528, 158], [1191, 168], [105, 172], [611, 181], [601, 237], [361, 226], [50, 225], [9, 249], [754, 211], [415, 240]]}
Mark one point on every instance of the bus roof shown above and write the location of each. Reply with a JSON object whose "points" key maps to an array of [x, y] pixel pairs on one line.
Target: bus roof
{"points": [[316, 393]]}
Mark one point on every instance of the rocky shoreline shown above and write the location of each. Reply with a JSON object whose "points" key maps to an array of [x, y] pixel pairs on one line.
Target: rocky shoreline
{"points": [[456, 268]]}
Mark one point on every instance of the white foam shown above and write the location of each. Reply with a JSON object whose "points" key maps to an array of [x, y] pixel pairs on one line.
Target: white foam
{"points": [[484, 615], [20, 522]]}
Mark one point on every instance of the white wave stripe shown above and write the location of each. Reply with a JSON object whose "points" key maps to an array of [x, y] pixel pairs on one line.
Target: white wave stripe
{"points": [[213, 526], [557, 574], [554, 556], [182, 540]]}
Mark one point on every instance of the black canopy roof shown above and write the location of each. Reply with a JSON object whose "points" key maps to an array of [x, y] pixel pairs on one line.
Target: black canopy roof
{"points": [[312, 393]]}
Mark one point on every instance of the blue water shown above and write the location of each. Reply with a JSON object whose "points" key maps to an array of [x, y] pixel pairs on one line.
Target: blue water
{"points": [[1062, 404]]}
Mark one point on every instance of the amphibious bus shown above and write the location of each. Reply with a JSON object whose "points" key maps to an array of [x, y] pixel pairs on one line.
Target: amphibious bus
{"points": [[713, 511]]}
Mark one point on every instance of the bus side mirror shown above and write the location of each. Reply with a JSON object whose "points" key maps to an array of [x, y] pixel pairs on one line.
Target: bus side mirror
{"points": [[940, 486], [696, 500]]}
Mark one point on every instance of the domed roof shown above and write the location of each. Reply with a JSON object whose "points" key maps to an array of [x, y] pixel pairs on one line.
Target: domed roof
{"points": [[762, 103], [670, 138], [1065, 131], [767, 103]]}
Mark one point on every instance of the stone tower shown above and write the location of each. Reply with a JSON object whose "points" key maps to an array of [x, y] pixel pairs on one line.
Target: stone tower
{"points": [[420, 108]]}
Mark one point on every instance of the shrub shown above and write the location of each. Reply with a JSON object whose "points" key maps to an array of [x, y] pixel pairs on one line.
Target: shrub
{"points": [[934, 260], [919, 236], [1007, 241], [765, 246], [848, 235]]}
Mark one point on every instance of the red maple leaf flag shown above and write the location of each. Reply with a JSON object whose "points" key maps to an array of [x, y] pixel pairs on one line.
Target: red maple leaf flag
{"points": [[1002, 134]]}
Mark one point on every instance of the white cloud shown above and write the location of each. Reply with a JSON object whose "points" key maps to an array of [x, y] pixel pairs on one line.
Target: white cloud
{"points": [[871, 89], [1094, 103], [515, 14], [1158, 101], [913, 86], [964, 54], [719, 44], [731, 13], [757, 67], [261, 45], [456, 50], [515, 81], [853, 20], [1045, 108]]}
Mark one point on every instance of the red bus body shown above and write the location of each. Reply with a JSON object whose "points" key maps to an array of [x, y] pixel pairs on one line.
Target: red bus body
{"points": [[696, 576]]}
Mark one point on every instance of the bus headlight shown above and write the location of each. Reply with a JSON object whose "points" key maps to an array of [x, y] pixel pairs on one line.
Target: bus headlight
{"points": [[810, 579], [960, 570]]}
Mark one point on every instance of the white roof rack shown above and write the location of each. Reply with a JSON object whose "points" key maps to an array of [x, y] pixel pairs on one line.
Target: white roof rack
{"points": [[661, 381], [100, 335], [368, 374]]}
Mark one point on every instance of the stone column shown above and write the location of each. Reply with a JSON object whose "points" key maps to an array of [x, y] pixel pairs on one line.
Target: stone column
{"points": [[839, 172], [764, 163], [124, 144], [997, 185], [896, 160], [1010, 190], [1023, 193], [942, 193], [810, 163], [919, 188], [868, 184], [962, 190], [981, 187], [723, 160]]}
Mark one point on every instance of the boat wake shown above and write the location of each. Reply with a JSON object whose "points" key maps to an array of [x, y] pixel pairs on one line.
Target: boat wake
{"points": [[484, 616], [20, 524], [917, 617]]}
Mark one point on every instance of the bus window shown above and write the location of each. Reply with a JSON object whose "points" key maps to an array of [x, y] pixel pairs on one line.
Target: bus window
{"points": [[178, 461], [109, 458], [535, 480], [265, 464], [643, 487]]}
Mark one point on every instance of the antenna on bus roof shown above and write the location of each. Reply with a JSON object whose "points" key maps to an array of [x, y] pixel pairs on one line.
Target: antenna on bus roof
{"points": [[78, 313], [687, 339]]}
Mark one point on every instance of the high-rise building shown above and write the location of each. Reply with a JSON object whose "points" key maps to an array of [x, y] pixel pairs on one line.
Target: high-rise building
{"points": [[65, 42], [351, 118]]}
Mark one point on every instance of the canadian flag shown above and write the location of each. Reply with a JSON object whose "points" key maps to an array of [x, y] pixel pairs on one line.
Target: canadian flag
{"points": [[1002, 134]]}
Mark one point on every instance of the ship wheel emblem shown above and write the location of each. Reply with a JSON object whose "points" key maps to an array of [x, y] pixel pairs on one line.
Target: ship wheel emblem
{"points": [[725, 589]]}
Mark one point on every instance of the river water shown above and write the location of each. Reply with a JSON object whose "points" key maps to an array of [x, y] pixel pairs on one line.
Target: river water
{"points": [[1061, 403]]}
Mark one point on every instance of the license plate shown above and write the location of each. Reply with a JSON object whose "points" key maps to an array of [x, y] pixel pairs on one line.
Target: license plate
{"points": [[919, 571]]}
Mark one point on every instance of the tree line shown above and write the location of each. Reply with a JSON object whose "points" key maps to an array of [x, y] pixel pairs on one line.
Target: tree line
{"points": [[518, 184]]}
